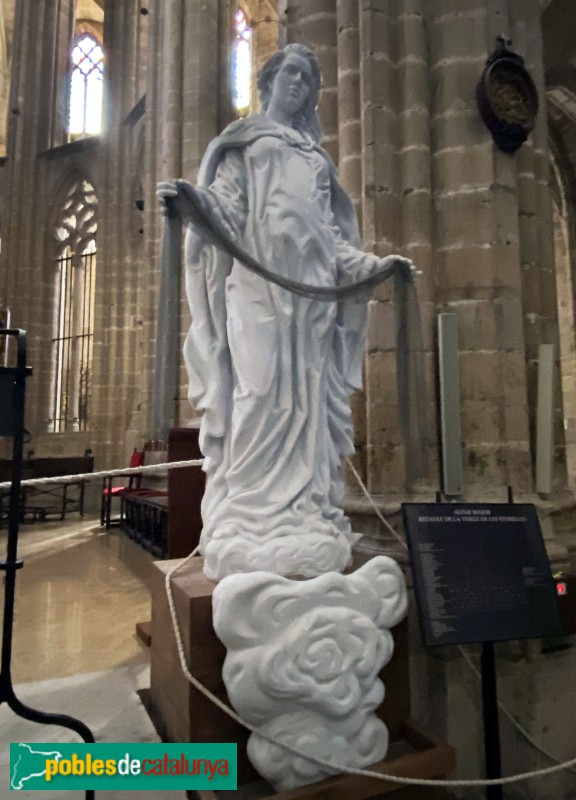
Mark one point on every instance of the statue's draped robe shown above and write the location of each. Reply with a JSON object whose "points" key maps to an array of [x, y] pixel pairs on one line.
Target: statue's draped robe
{"points": [[273, 371]]}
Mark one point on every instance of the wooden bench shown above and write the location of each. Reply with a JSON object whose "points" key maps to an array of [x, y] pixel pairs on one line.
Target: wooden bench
{"points": [[145, 519], [52, 500]]}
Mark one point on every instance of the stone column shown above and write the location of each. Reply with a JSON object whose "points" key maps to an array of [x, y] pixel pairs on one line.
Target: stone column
{"points": [[478, 250], [381, 229], [539, 287], [25, 266], [184, 112], [267, 25], [6, 29], [313, 22], [120, 273], [350, 173], [563, 256]]}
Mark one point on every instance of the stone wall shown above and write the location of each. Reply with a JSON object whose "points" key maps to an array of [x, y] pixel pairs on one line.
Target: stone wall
{"points": [[6, 30], [399, 112], [477, 221], [35, 127]]}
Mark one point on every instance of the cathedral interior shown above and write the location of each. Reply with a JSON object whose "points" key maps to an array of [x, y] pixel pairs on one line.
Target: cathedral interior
{"points": [[102, 99]]}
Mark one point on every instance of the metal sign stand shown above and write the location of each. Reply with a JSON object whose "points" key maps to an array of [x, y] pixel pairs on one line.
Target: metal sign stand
{"points": [[490, 717], [492, 746], [13, 385]]}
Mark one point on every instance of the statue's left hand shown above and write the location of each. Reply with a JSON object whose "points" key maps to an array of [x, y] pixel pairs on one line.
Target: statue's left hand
{"points": [[405, 263]]}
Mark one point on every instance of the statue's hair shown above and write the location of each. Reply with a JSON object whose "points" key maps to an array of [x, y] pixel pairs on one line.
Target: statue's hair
{"points": [[306, 119]]}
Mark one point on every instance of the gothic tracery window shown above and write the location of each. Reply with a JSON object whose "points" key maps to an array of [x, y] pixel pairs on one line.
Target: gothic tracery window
{"points": [[241, 63], [73, 327], [85, 102]]}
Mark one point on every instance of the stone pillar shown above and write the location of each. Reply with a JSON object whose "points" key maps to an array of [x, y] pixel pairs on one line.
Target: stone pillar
{"points": [[563, 256], [313, 22], [25, 266], [121, 284], [382, 234], [350, 173], [267, 25], [184, 112], [435, 188], [478, 238], [539, 287], [415, 191], [6, 30]]}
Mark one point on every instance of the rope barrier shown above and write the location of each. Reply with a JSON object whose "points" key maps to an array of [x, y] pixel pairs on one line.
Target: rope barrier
{"points": [[151, 468], [366, 773], [112, 473]]}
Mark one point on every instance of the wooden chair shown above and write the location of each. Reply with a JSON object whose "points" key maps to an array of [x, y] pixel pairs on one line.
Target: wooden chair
{"points": [[109, 491]]}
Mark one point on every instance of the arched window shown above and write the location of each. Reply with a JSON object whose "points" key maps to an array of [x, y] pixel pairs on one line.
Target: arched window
{"points": [[73, 335], [87, 63], [241, 63]]}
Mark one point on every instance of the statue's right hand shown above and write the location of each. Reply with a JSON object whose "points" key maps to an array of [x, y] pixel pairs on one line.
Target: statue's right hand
{"points": [[165, 191]]}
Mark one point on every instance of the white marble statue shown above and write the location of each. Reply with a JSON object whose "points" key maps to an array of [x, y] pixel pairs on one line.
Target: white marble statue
{"points": [[272, 367], [272, 371], [302, 665]]}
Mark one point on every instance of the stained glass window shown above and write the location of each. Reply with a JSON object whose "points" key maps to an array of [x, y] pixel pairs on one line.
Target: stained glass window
{"points": [[241, 63], [86, 86]]}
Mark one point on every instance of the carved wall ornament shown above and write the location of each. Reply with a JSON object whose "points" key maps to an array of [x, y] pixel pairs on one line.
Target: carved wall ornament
{"points": [[507, 98]]}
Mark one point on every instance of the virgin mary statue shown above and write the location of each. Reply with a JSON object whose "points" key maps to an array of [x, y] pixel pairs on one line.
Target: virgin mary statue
{"points": [[272, 370]]}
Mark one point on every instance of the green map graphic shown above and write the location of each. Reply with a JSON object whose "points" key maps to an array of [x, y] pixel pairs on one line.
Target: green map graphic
{"points": [[30, 763]]}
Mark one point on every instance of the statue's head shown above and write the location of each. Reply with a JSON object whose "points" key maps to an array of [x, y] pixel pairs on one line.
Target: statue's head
{"points": [[306, 119]]}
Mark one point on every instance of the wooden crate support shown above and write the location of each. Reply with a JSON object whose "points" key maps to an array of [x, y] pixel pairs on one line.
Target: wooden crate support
{"points": [[182, 714], [431, 759]]}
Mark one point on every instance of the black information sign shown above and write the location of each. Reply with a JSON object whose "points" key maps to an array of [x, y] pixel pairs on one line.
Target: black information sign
{"points": [[481, 572]]}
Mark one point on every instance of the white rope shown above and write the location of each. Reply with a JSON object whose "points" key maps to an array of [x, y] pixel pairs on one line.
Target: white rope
{"points": [[380, 516], [513, 719], [320, 761], [112, 473], [127, 472]]}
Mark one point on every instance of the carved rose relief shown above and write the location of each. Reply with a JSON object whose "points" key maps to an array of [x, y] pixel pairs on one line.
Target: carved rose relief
{"points": [[302, 664]]}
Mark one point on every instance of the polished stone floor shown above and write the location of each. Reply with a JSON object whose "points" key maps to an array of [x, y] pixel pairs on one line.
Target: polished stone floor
{"points": [[79, 596]]}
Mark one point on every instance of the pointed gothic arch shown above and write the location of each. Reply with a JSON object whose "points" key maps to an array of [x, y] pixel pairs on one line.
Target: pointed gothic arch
{"points": [[85, 87]]}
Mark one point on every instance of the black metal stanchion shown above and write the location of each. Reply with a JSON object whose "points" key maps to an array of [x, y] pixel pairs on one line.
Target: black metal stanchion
{"points": [[13, 381]]}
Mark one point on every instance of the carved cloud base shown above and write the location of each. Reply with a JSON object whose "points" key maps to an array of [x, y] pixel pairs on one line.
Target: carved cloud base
{"points": [[302, 664], [289, 554]]}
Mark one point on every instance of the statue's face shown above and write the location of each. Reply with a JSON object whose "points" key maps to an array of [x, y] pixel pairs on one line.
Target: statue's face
{"points": [[291, 84]]}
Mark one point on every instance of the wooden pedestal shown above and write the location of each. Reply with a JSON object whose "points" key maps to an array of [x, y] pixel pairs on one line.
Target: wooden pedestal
{"points": [[179, 711], [185, 491], [182, 714]]}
